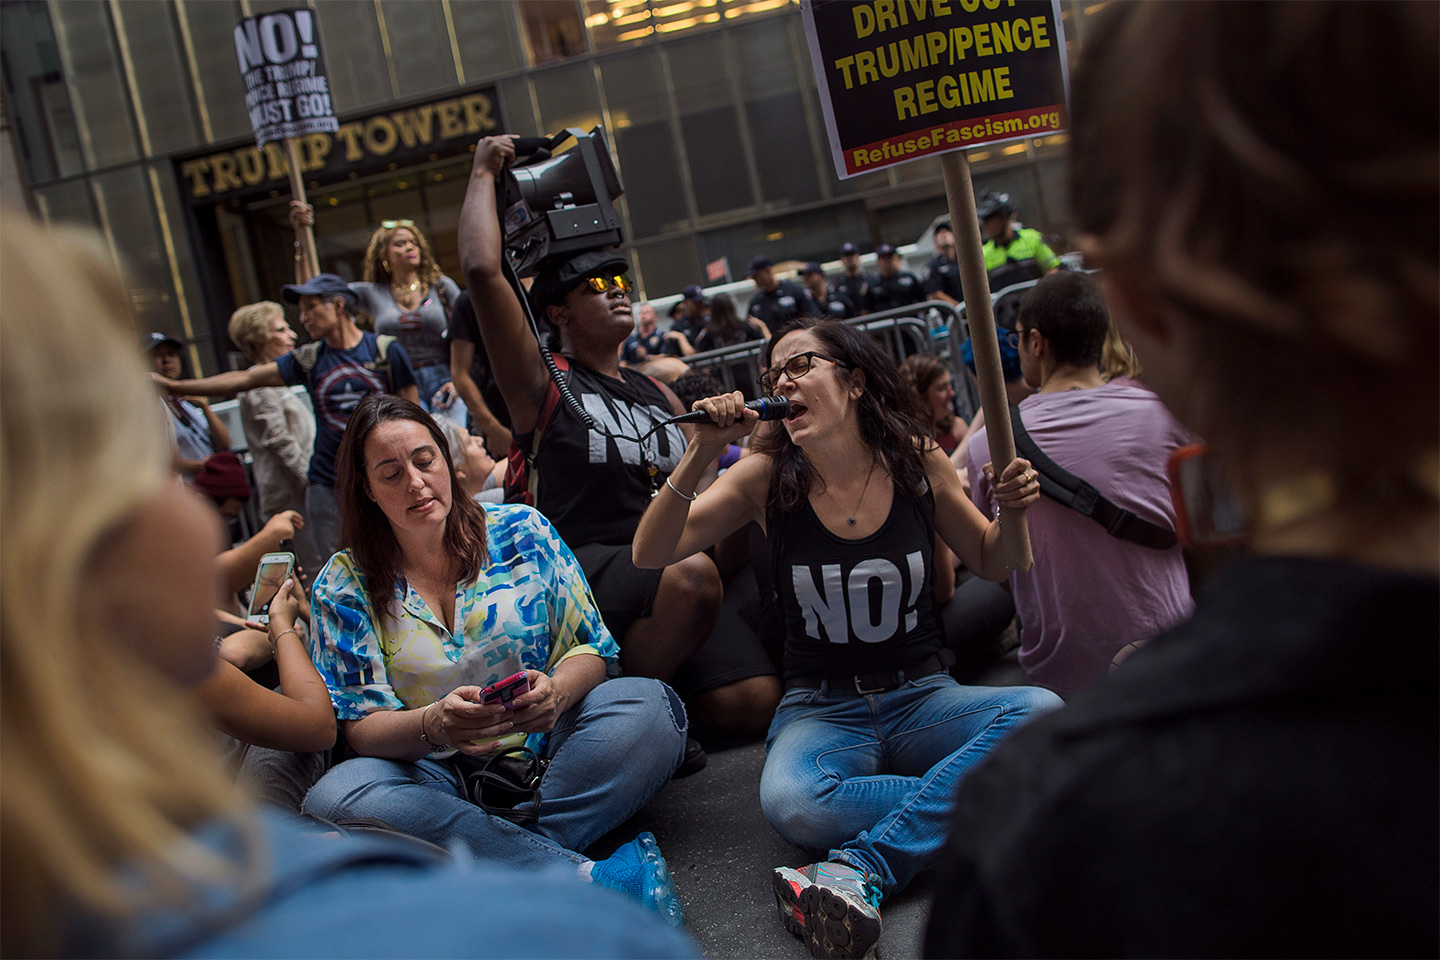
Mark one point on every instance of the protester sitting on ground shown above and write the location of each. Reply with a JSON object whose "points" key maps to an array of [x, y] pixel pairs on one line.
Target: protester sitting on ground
{"points": [[280, 736], [1092, 590], [434, 598], [872, 735], [834, 303], [1016, 389], [1262, 780], [478, 473], [474, 380], [342, 366], [726, 329], [930, 378], [246, 648], [279, 427], [777, 302], [124, 834], [893, 286], [1118, 358], [593, 484], [409, 298]]}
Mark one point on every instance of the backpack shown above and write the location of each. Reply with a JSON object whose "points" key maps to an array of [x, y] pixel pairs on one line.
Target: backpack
{"points": [[307, 355]]}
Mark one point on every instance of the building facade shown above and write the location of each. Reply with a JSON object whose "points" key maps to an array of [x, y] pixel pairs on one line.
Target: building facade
{"points": [[130, 116]]}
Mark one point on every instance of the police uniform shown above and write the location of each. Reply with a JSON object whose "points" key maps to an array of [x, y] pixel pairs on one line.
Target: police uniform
{"points": [[653, 344], [854, 288], [1025, 257], [786, 302], [836, 305], [900, 290], [943, 275]]}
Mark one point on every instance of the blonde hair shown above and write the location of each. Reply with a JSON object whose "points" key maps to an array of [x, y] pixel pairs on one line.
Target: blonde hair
{"points": [[1117, 358], [104, 761], [377, 270], [250, 326], [1303, 253]]}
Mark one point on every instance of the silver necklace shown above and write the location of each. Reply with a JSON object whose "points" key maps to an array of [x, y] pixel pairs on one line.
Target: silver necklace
{"points": [[851, 520]]}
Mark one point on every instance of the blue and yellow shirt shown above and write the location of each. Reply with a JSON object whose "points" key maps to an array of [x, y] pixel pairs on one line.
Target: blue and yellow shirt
{"points": [[528, 609]]}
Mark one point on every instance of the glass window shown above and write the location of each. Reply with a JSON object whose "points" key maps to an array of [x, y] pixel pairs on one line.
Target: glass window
{"points": [[517, 106], [917, 171], [102, 109], [615, 22], [667, 267], [354, 55], [46, 140], [166, 110], [487, 38], [210, 27], [419, 46], [775, 109], [128, 215], [567, 98], [710, 126], [553, 30], [799, 237], [644, 143], [67, 203], [162, 178]]}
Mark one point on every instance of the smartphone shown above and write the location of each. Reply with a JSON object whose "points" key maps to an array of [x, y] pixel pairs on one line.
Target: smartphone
{"points": [[505, 691], [275, 569]]}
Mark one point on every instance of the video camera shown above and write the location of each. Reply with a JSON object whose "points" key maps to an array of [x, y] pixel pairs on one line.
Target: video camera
{"points": [[552, 206]]}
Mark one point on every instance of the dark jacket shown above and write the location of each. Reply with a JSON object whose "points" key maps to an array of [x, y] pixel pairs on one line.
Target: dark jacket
{"points": [[1260, 781]]}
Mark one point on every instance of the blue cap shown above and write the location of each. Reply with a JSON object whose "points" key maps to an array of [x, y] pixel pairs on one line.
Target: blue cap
{"points": [[327, 285], [812, 267], [152, 340], [758, 263], [848, 248], [886, 250], [694, 292]]}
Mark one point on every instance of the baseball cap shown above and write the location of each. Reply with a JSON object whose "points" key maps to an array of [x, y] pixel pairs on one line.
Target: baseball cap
{"points": [[758, 263], [812, 267], [327, 285], [152, 340], [848, 248], [886, 250], [558, 277], [994, 204], [694, 292]]}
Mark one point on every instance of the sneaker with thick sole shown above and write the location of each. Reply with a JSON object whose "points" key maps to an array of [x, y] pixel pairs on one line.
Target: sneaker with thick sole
{"points": [[832, 906], [638, 870]]}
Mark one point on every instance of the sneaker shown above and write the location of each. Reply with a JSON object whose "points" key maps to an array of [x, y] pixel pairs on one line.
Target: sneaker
{"points": [[639, 871], [693, 762], [832, 906]]}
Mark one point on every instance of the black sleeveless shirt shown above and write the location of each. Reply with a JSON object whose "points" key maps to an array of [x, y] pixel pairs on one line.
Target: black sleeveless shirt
{"points": [[856, 606], [593, 484]]}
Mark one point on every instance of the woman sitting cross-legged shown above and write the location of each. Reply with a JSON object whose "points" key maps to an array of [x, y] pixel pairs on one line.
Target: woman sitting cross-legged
{"points": [[435, 597], [872, 735]]}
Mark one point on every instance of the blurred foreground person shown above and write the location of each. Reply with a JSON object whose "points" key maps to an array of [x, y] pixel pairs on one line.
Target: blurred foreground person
{"points": [[1261, 780], [123, 834]]}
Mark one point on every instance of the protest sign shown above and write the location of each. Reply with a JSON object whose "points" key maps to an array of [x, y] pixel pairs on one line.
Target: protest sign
{"points": [[286, 91], [904, 79]]}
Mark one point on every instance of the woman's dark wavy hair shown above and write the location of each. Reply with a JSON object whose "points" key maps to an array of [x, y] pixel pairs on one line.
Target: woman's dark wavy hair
{"points": [[365, 530], [891, 421], [725, 326]]}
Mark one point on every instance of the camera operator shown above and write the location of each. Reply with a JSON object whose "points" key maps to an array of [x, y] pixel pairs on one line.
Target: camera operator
{"points": [[595, 483]]}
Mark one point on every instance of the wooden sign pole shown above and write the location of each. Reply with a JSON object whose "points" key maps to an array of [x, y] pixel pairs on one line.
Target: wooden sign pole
{"points": [[297, 190], [960, 194]]}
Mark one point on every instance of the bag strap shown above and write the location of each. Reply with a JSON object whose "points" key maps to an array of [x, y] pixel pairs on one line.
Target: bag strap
{"points": [[1068, 490]]}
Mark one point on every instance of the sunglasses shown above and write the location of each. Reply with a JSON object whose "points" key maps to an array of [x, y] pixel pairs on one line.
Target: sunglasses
{"points": [[795, 368], [392, 224], [602, 284]]}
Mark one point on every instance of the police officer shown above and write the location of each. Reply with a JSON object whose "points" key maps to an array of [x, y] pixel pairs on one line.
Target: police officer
{"points": [[942, 273], [688, 318], [893, 287], [777, 301], [646, 341], [1011, 256], [832, 300], [854, 283]]}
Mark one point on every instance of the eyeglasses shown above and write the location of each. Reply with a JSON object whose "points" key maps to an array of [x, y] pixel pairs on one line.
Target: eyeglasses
{"points": [[601, 284], [392, 224], [1013, 338], [795, 368]]}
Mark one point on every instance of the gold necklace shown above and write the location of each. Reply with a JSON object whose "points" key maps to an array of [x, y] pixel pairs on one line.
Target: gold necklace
{"points": [[399, 290]]}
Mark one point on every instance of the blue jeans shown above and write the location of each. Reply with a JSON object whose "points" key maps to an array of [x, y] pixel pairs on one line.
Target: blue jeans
{"points": [[872, 778], [322, 518], [610, 753], [428, 380]]}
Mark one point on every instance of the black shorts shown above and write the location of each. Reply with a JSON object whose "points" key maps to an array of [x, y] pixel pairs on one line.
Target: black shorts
{"points": [[623, 592], [737, 649]]}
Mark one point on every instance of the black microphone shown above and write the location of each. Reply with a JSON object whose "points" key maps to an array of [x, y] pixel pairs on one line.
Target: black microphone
{"points": [[769, 408]]}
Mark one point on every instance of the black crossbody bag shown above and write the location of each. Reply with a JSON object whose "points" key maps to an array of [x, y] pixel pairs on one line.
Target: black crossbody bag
{"points": [[499, 782]]}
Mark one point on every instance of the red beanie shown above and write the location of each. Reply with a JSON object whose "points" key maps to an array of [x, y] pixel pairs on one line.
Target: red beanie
{"points": [[223, 476]]}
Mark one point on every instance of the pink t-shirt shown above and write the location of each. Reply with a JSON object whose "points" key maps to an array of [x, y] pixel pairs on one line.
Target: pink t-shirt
{"points": [[1089, 593]]}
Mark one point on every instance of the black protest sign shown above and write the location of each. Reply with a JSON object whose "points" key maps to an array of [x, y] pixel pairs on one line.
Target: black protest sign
{"points": [[286, 91], [904, 79]]}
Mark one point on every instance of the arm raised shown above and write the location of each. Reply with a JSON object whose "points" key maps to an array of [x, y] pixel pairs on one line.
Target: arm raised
{"points": [[224, 384]]}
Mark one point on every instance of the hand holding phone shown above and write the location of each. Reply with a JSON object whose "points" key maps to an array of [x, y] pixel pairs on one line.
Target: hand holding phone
{"points": [[505, 691], [274, 570]]}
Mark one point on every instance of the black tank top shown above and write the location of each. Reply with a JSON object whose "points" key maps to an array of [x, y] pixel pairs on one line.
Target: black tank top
{"points": [[856, 606], [594, 485]]}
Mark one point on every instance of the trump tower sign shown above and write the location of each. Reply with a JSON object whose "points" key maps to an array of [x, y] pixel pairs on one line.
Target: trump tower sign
{"points": [[904, 79]]}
